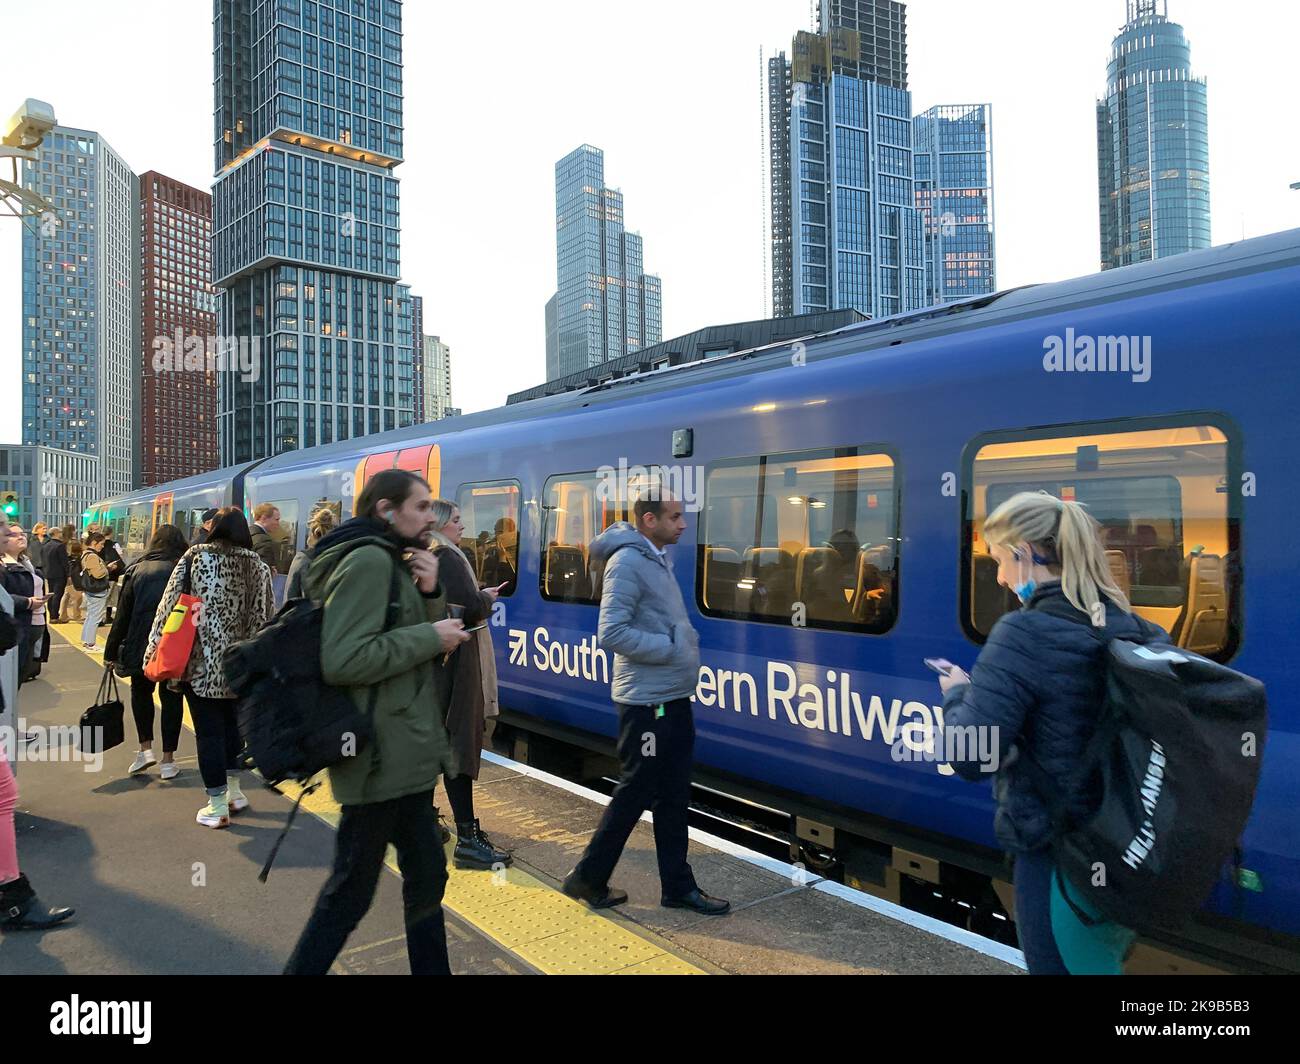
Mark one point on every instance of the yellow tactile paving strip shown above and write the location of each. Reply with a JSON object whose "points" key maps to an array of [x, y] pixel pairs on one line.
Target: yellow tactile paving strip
{"points": [[552, 932]]}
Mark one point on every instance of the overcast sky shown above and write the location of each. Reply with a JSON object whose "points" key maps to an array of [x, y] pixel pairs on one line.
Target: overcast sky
{"points": [[672, 93]]}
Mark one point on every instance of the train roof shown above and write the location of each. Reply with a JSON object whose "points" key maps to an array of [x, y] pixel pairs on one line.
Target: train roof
{"points": [[1196, 267]]}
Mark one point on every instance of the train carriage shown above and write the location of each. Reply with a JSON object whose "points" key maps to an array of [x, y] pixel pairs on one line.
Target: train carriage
{"points": [[837, 488]]}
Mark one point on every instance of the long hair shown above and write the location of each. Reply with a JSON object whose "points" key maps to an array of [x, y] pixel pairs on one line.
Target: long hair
{"points": [[1068, 536], [168, 539], [322, 521], [395, 485], [230, 528]]}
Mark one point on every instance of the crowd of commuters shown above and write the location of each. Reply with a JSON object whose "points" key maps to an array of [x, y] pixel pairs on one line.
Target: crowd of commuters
{"points": [[406, 632]]}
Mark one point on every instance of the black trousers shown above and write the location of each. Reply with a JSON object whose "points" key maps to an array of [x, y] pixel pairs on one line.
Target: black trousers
{"points": [[217, 736], [656, 754], [56, 589], [142, 709], [364, 833]]}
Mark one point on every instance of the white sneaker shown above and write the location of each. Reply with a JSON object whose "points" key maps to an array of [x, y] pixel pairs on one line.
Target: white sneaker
{"points": [[143, 759], [238, 801], [170, 770]]}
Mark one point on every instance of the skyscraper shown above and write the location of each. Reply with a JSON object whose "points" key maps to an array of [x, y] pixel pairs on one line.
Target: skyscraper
{"points": [[176, 428], [417, 359], [80, 319], [305, 223], [1153, 153], [953, 152], [607, 305], [845, 229], [437, 378]]}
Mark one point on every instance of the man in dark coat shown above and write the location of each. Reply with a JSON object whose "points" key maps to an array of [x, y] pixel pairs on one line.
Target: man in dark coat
{"points": [[56, 572]]}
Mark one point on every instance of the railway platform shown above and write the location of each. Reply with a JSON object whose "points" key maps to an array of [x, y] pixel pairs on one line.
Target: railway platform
{"points": [[155, 893]]}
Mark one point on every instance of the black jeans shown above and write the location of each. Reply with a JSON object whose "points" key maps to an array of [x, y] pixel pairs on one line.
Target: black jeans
{"points": [[142, 709], [656, 754], [364, 833], [56, 589], [460, 793], [217, 737]]}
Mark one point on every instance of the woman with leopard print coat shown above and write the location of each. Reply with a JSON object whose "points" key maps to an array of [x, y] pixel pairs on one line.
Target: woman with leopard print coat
{"points": [[234, 586]]}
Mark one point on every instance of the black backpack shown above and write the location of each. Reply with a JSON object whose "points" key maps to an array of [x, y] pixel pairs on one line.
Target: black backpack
{"points": [[295, 724], [1175, 760]]}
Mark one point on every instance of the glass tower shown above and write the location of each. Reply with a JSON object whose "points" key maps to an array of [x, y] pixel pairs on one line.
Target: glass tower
{"points": [[1153, 154], [80, 321], [953, 152], [606, 305], [846, 232], [308, 127]]}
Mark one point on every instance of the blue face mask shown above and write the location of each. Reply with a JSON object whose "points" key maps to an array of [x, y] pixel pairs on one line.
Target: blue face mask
{"points": [[1025, 590]]}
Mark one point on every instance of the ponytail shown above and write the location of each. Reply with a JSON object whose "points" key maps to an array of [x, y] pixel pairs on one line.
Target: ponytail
{"points": [[1065, 533]]}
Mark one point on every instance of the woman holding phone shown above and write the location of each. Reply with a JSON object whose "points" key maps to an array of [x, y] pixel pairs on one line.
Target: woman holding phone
{"points": [[472, 682], [1037, 688]]}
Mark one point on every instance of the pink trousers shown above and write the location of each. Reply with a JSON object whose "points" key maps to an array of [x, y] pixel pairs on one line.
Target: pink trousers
{"points": [[8, 841]]}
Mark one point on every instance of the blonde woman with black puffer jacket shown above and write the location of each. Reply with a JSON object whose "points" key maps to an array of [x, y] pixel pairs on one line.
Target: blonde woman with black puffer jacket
{"points": [[234, 586]]}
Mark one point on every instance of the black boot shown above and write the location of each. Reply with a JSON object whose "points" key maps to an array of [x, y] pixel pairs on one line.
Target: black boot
{"points": [[474, 850], [444, 835], [20, 908]]}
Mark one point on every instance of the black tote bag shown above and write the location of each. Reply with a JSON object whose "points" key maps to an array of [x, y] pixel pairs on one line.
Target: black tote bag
{"points": [[102, 724]]}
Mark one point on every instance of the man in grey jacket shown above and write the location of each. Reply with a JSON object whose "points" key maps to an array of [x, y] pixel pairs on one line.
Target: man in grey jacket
{"points": [[643, 620]]}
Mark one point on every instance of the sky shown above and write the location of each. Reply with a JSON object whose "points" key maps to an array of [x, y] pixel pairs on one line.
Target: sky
{"points": [[672, 93]]}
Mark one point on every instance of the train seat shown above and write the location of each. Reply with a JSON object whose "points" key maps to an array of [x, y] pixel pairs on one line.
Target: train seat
{"points": [[772, 571], [1203, 627], [721, 572], [1118, 563], [810, 559], [566, 572]]}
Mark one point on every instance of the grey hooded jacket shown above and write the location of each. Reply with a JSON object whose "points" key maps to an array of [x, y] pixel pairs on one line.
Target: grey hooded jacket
{"points": [[643, 621]]}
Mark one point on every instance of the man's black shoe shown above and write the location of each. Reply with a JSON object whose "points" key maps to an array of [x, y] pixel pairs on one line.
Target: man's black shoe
{"points": [[699, 901], [606, 899]]}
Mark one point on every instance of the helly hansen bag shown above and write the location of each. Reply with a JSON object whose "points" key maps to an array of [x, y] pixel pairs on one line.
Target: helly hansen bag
{"points": [[1175, 761]]}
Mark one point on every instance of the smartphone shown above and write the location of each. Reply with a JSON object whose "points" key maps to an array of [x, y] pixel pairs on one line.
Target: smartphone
{"points": [[939, 665], [477, 627]]}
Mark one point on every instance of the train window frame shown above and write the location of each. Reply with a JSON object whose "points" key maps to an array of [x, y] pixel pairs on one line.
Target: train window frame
{"points": [[1192, 419], [505, 482], [593, 474], [868, 449]]}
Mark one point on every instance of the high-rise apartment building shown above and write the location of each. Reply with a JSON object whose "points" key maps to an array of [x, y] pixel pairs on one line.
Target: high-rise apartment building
{"points": [[80, 337], [305, 223], [437, 379], [606, 305], [1153, 152], [176, 427], [846, 232], [417, 358], [953, 154]]}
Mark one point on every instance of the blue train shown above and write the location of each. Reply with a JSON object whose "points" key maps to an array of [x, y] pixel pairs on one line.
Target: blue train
{"points": [[837, 488]]}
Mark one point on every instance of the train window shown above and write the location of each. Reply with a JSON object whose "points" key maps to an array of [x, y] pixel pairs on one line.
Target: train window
{"points": [[1161, 497], [335, 506], [808, 538], [576, 509], [138, 530], [284, 538], [490, 513]]}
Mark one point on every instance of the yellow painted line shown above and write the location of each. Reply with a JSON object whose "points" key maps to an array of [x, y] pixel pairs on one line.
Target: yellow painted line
{"points": [[523, 915]]}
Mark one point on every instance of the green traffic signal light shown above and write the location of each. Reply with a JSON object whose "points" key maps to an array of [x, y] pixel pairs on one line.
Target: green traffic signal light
{"points": [[9, 503]]}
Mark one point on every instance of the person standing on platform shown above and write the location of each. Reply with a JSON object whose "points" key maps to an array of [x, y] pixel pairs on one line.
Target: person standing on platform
{"points": [[56, 573], [384, 627], [72, 597], [26, 585], [234, 586], [472, 695], [643, 620], [322, 522], [266, 522], [36, 544], [142, 590], [205, 530], [20, 908], [94, 586], [116, 565]]}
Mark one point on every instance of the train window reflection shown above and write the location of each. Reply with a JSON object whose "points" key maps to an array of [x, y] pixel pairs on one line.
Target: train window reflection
{"points": [[490, 514], [1161, 497], [807, 538], [576, 508]]}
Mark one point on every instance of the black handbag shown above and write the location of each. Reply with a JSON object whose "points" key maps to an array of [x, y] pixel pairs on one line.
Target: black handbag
{"points": [[102, 725]]}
